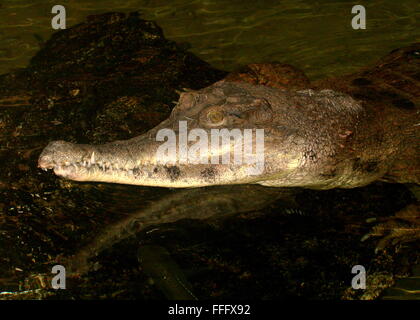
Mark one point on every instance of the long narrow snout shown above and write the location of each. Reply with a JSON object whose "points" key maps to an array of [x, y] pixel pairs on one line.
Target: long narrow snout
{"points": [[125, 162], [139, 161]]}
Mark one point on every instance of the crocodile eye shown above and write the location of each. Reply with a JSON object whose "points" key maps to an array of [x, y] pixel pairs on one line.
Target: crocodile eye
{"points": [[215, 116]]}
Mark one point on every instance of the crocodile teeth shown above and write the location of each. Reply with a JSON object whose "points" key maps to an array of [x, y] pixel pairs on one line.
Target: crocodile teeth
{"points": [[92, 158]]}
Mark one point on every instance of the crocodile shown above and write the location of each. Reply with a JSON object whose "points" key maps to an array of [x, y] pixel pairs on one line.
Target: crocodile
{"points": [[343, 132]]}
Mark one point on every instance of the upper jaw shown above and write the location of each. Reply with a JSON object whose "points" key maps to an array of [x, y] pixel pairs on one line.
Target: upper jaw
{"points": [[88, 162]]}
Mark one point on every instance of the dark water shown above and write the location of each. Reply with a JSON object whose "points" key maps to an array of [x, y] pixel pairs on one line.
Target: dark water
{"points": [[313, 35]]}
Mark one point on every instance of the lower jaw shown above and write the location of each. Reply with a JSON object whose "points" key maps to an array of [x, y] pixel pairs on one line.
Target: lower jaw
{"points": [[122, 179], [104, 177], [68, 175]]}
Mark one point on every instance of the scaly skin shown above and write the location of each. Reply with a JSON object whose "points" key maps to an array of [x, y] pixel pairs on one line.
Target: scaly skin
{"points": [[345, 132]]}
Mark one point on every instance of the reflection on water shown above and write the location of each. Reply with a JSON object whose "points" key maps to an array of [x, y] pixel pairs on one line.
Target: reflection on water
{"points": [[141, 208], [313, 35]]}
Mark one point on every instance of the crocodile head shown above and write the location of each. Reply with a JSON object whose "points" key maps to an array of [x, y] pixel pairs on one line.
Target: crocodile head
{"points": [[228, 133]]}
